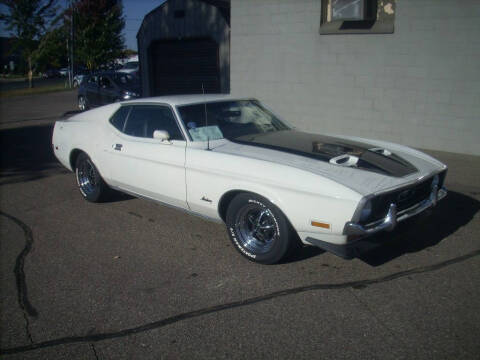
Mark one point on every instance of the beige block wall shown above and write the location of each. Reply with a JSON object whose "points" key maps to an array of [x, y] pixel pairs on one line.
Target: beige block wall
{"points": [[419, 86]]}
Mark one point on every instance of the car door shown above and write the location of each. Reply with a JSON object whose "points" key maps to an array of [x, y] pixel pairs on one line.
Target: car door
{"points": [[92, 91], [108, 91], [140, 164]]}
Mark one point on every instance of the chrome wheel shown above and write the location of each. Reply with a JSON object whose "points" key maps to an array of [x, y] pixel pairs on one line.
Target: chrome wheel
{"points": [[82, 103], [89, 181], [87, 178], [256, 228]]}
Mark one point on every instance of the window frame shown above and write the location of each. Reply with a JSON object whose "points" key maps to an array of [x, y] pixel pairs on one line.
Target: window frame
{"points": [[126, 117], [383, 21], [146, 139], [92, 80], [112, 83], [190, 139]]}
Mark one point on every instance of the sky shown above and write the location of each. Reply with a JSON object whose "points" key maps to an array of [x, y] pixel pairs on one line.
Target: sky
{"points": [[133, 11]]}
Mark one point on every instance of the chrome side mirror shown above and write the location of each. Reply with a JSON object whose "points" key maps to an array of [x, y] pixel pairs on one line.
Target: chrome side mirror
{"points": [[161, 135]]}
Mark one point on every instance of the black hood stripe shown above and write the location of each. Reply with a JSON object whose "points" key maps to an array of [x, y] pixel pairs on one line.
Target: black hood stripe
{"points": [[324, 148]]}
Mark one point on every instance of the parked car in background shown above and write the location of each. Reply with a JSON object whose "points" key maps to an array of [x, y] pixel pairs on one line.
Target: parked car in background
{"points": [[64, 71], [51, 73], [233, 160], [129, 67], [107, 87]]}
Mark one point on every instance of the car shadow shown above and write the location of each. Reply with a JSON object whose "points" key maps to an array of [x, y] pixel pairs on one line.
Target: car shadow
{"points": [[26, 154], [413, 235], [424, 231], [302, 253], [117, 196]]}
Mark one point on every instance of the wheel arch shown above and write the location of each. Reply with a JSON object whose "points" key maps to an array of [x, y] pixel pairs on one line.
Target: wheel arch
{"points": [[227, 198], [75, 153], [225, 201], [74, 156]]}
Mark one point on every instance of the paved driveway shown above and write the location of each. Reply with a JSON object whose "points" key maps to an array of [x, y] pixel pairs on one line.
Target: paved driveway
{"points": [[131, 279]]}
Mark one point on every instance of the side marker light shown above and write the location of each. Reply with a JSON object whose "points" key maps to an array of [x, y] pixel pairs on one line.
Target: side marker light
{"points": [[320, 224]]}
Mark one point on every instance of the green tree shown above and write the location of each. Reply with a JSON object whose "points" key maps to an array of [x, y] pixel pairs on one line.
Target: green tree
{"points": [[52, 49], [98, 28], [129, 52], [29, 21]]}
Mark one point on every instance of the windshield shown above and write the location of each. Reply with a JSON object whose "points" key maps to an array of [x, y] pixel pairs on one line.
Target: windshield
{"points": [[131, 65], [228, 119]]}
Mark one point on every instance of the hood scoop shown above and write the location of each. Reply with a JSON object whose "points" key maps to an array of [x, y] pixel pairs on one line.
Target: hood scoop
{"points": [[381, 151], [344, 160]]}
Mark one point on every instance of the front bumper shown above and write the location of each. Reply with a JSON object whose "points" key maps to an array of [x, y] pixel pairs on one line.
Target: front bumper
{"points": [[393, 217], [388, 223]]}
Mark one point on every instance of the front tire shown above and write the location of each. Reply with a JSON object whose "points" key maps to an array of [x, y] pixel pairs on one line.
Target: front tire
{"points": [[90, 183], [258, 229]]}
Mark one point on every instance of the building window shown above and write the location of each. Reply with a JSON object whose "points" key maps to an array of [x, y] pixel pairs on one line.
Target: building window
{"points": [[357, 16], [350, 10]]}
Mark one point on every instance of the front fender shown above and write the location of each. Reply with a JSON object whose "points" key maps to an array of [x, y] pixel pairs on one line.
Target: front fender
{"points": [[302, 196]]}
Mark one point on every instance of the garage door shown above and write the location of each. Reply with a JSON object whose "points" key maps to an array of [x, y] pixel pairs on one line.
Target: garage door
{"points": [[182, 66]]}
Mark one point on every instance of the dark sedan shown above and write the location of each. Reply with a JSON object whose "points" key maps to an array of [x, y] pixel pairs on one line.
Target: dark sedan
{"points": [[105, 88]]}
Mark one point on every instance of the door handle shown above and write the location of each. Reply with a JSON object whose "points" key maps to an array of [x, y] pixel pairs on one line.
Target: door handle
{"points": [[117, 147]]}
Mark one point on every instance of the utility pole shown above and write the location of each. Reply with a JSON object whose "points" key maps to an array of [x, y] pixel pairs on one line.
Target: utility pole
{"points": [[69, 64], [72, 41]]}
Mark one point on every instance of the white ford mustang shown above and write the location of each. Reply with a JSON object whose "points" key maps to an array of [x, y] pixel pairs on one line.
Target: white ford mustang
{"points": [[233, 160]]}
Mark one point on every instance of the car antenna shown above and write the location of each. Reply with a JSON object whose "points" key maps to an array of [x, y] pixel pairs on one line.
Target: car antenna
{"points": [[206, 117]]}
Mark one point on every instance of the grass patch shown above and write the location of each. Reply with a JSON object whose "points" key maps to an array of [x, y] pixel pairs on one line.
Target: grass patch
{"points": [[35, 90], [14, 77]]}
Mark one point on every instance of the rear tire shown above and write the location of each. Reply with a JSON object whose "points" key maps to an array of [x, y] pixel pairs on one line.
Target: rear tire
{"points": [[90, 183], [258, 229], [82, 103]]}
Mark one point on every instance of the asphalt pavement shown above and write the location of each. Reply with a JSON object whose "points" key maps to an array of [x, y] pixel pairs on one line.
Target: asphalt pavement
{"points": [[132, 279]]}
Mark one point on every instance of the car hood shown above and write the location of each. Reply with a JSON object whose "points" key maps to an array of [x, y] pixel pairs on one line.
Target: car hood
{"points": [[366, 166], [331, 149]]}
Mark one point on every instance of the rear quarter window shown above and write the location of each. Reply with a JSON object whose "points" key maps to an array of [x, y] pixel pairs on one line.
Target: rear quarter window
{"points": [[118, 119]]}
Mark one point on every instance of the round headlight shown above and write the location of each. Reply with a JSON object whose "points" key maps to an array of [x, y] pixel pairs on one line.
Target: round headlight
{"points": [[366, 211]]}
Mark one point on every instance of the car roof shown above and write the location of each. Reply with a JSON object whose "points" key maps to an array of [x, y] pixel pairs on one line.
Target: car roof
{"points": [[178, 100]]}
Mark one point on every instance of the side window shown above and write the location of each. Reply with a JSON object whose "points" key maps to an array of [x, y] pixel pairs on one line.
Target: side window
{"points": [[92, 80], [145, 119], [118, 119], [105, 82]]}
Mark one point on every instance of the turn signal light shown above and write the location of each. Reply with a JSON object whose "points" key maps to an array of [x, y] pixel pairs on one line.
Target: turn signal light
{"points": [[320, 224]]}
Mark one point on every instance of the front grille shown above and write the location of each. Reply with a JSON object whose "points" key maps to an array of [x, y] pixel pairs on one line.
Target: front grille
{"points": [[403, 198]]}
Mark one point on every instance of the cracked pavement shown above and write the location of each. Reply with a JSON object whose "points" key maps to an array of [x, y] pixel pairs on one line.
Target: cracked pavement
{"points": [[133, 279]]}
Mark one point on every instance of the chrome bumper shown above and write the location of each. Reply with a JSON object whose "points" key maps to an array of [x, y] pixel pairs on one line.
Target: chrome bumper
{"points": [[389, 222]]}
